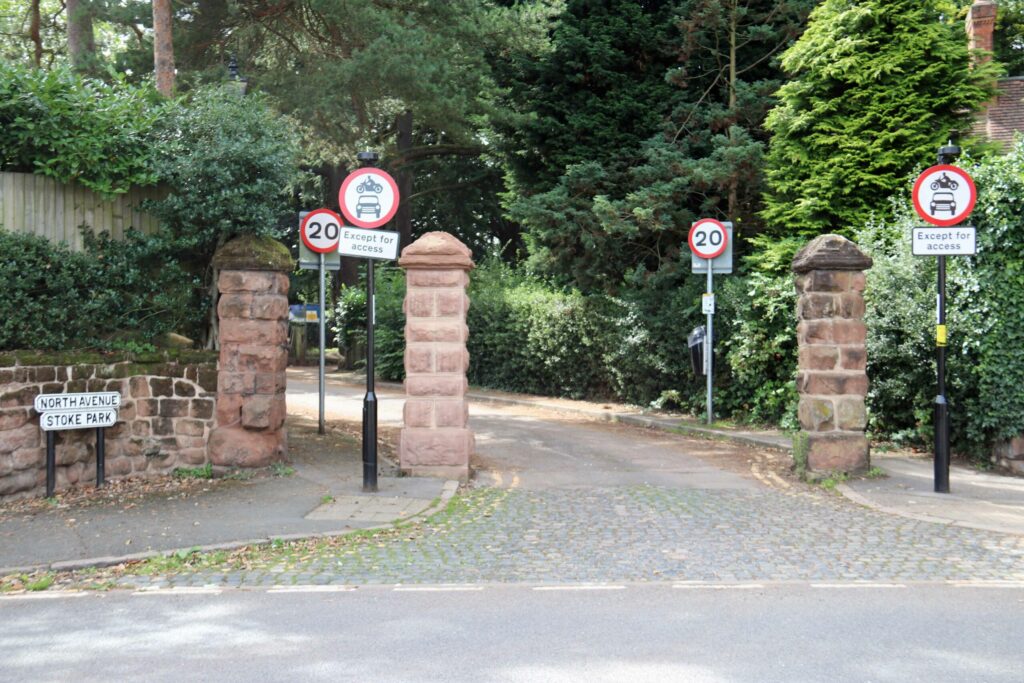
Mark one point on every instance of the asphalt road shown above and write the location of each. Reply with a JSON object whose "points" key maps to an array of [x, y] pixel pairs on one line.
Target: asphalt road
{"points": [[777, 632]]}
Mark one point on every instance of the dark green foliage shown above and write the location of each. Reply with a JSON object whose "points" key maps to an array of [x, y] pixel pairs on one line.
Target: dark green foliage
{"points": [[529, 336], [875, 86], [596, 94], [58, 124], [230, 163], [607, 205], [113, 294], [1009, 36], [985, 316]]}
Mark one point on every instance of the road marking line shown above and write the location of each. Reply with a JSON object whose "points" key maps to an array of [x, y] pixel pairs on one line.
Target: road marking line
{"points": [[858, 585], [44, 596], [180, 590], [720, 586], [311, 589], [436, 589], [584, 587], [987, 584]]}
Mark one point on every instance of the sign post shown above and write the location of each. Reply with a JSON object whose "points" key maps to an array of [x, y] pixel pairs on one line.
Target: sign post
{"points": [[368, 199], [943, 195], [320, 231], [60, 412], [709, 240]]}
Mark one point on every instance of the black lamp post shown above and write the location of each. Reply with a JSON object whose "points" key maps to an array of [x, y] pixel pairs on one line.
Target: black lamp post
{"points": [[241, 83]]}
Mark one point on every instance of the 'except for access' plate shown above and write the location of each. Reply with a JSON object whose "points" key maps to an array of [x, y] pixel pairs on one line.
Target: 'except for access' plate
{"points": [[368, 243], [934, 241]]}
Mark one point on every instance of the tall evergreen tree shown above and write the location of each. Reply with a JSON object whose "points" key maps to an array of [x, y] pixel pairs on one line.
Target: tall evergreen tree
{"points": [[876, 86], [605, 220]]}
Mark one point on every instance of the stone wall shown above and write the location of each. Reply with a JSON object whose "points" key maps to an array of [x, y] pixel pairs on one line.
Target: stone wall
{"points": [[166, 417], [253, 319], [435, 438], [831, 376]]}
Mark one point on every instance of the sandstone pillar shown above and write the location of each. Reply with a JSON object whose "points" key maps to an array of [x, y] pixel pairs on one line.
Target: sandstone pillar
{"points": [[253, 315], [831, 377], [435, 438]]}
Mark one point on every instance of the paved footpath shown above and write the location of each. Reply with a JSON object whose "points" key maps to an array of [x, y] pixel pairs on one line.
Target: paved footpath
{"points": [[564, 500]]}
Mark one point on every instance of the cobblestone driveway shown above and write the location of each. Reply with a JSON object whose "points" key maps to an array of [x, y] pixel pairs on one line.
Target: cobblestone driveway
{"points": [[635, 533]]}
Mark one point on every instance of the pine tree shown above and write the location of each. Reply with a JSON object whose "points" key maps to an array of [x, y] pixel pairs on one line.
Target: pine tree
{"points": [[876, 86]]}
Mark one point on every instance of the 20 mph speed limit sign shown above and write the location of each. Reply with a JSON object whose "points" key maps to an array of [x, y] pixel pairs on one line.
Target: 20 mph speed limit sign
{"points": [[708, 238], [321, 230]]}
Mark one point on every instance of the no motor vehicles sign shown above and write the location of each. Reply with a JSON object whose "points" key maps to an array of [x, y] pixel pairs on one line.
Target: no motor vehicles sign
{"points": [[368, 198]]}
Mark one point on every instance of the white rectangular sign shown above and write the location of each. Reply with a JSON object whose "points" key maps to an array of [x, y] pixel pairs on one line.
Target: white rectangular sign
{"points": [[707, 304], [87, 419], [362, 243], [933, 241], [69, 403]]}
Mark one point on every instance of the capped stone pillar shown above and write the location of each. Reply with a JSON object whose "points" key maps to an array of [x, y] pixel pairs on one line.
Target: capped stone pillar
{"points": [[435, 438], [253, 325], [831, 377]]}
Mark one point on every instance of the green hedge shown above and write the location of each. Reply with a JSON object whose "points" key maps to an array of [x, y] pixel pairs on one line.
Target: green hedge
{"points": [[118, 294], [985, 317], [529, 336]]}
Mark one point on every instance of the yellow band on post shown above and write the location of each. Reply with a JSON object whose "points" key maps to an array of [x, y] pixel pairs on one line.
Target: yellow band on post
{"points": [[940, 335]]}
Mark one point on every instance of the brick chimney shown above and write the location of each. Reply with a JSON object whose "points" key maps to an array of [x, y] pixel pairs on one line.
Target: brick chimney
{"points": [[981, 25]]}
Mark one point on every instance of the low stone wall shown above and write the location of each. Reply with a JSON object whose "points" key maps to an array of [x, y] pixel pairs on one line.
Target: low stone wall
{"points": [[1009, 456], [167, 414]]}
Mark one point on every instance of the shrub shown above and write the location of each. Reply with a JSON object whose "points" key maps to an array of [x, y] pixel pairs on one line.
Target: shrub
{"points": [[59, 124], [112, 293]]}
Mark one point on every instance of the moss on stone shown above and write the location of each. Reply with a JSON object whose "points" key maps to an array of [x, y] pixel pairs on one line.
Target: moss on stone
{"points": [[249, 252], [801, 448]]}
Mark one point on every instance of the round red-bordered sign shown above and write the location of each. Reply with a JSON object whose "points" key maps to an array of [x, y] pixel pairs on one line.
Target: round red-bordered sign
{"points": [[368, 198], [708, 238], [944, 190], [321, 230]]}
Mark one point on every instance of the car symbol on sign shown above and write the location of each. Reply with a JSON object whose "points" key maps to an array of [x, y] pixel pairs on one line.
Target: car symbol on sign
{"points": [[368, 204], [943, 201]]}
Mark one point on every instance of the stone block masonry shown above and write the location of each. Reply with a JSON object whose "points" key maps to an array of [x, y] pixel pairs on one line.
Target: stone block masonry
{"points": [[435, 438], [831, 335], [168, 405], [253, 322]]}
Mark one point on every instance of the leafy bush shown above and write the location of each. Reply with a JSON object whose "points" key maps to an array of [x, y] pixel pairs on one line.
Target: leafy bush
{"points": [[529, 336], [985, 317], [59, 124], [112, 293], [230, 163]]}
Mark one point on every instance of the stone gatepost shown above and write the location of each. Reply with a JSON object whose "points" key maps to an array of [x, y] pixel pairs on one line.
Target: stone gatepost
{"points": [[253, 315], [435, 438], [831, 377]]}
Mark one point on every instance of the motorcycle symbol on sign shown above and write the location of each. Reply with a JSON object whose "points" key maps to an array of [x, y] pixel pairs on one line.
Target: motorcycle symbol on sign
{"points": [[945, 183], [369, 185]]}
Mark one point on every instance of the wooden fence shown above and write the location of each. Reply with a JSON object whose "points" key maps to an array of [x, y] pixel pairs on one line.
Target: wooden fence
{"points": [[39, 205]]}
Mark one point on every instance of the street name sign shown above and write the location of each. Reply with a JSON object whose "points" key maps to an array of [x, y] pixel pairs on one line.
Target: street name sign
{"points": [[368, 198], [58, 412], [944, 195], [934, 241], [362, 243]]}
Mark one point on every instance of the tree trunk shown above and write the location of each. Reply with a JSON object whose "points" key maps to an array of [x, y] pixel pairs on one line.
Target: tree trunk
{"points": [[34, 35], [403, 218], [81, 41], [734, 182], [163, 47]]}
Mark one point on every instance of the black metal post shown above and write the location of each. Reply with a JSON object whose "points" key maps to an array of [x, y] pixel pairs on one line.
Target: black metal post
{"points": [[947, 155], [370, 400], [941, 405], [51, 464], [101, 456]]}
